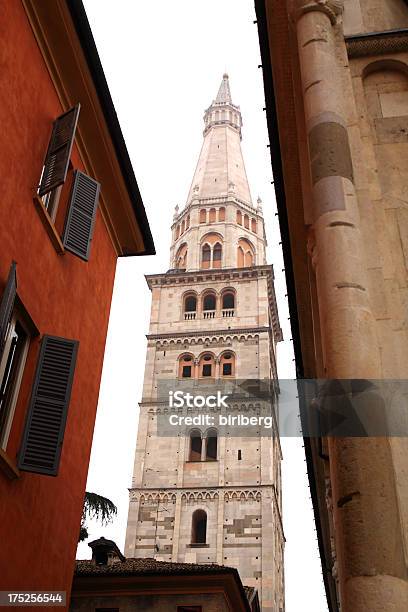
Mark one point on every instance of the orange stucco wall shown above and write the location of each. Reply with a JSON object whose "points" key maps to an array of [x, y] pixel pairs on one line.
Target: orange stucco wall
{"points": [[65, 296]]}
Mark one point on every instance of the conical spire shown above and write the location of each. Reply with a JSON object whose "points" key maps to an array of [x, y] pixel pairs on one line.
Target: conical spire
{"points": [[224, 92], [220, 171]]}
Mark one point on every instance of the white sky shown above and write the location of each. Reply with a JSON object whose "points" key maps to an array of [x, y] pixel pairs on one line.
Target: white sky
{"points": [[164, 62]]}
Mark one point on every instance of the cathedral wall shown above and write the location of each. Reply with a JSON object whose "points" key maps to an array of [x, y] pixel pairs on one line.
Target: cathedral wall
{"points": [[374, 15]]}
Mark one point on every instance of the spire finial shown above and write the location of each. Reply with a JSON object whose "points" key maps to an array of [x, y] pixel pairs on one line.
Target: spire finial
{"points": [[224, 92]]}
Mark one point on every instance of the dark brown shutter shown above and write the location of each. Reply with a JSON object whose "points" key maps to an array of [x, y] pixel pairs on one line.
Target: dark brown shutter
{"points": [[59, 151], [7, 304], [80, 219], [47, 413]]}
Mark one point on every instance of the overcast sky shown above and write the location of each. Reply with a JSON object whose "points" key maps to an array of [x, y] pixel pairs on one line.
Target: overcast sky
{"points": [[164, 62]]}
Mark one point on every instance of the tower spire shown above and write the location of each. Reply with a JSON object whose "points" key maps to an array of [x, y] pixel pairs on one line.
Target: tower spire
{"points": [[224, 92], [220, 170]]}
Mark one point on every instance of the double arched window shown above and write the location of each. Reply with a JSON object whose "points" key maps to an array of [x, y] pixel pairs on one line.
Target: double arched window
{"points": [[181, 257], [211, 255], [245, 254], [203, 448]]}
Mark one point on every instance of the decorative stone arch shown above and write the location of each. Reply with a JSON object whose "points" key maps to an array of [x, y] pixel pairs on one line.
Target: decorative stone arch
{"points": [[385, 84], [211, 250], [245, 253], [180, 260]]}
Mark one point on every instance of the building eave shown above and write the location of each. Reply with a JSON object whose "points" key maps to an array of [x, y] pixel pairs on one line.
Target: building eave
{"points": [[65, 40], [87, 41]]}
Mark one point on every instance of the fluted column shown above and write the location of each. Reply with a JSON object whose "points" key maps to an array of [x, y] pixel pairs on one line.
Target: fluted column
{"points": [[365, 511]]}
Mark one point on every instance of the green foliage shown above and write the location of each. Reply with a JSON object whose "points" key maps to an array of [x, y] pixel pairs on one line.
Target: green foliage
{"points": [[96, 507]]}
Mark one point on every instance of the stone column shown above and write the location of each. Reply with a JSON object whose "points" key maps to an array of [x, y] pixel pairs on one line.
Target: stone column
{"points": [[367, 529], [176, 530]]}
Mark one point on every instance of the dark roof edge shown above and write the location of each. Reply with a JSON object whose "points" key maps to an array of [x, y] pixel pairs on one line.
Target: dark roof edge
{"points": [[84, 32], [279, 185]]}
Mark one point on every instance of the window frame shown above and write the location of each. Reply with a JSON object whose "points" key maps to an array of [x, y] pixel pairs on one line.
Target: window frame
{"points": [[20, 316]]}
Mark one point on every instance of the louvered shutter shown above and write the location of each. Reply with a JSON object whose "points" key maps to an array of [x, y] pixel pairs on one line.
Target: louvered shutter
{"points": [[80, 219], [7, 304], [59, 151], [47, 413]]}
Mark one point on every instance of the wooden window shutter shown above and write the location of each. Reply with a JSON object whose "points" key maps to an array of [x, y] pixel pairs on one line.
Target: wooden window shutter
{"points": [[80, 219], [7, 304], [59, 151], [47, 412]]}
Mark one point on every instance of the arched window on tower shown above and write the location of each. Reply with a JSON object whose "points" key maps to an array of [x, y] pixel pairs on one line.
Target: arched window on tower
{"points": [[228, 304], [246, 221], [186, 365], [253, 225], [221, 214], [217, 255], [206, 256], [190, 306], [199, 527], [181, 257], [183, 226], [227, 364], [239, 217], [188, 222], [203, 215], [212, 215], [207, 366], [177, 232], [245, 254], [211, 445], [196, 443], [209, 305]]}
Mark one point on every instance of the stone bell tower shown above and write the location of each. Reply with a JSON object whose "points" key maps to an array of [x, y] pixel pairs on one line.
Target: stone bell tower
{"points": [[200, 496]]}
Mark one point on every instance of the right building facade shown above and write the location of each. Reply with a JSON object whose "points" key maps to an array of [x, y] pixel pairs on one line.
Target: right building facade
{"points": [[336, 89]]}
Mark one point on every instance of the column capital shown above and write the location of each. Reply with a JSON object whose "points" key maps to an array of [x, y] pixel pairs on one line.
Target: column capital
{"points": [[332, 8]]}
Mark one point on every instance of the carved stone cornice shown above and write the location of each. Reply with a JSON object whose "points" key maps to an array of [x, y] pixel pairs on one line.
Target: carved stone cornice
{"points": [[377, 43], [207, 332], [191, 277], [332, 8]]}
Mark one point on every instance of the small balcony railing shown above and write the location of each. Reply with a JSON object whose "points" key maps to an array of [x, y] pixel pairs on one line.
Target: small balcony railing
{"points": [[189, 316], [228, 312], [209, 314]]}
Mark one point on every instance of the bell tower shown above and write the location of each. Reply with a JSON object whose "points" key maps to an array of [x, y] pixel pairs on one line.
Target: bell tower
{"points": [[199, 496]]}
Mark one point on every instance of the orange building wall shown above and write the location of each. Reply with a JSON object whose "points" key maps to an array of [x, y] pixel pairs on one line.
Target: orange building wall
{"points": [[65, 296]]}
